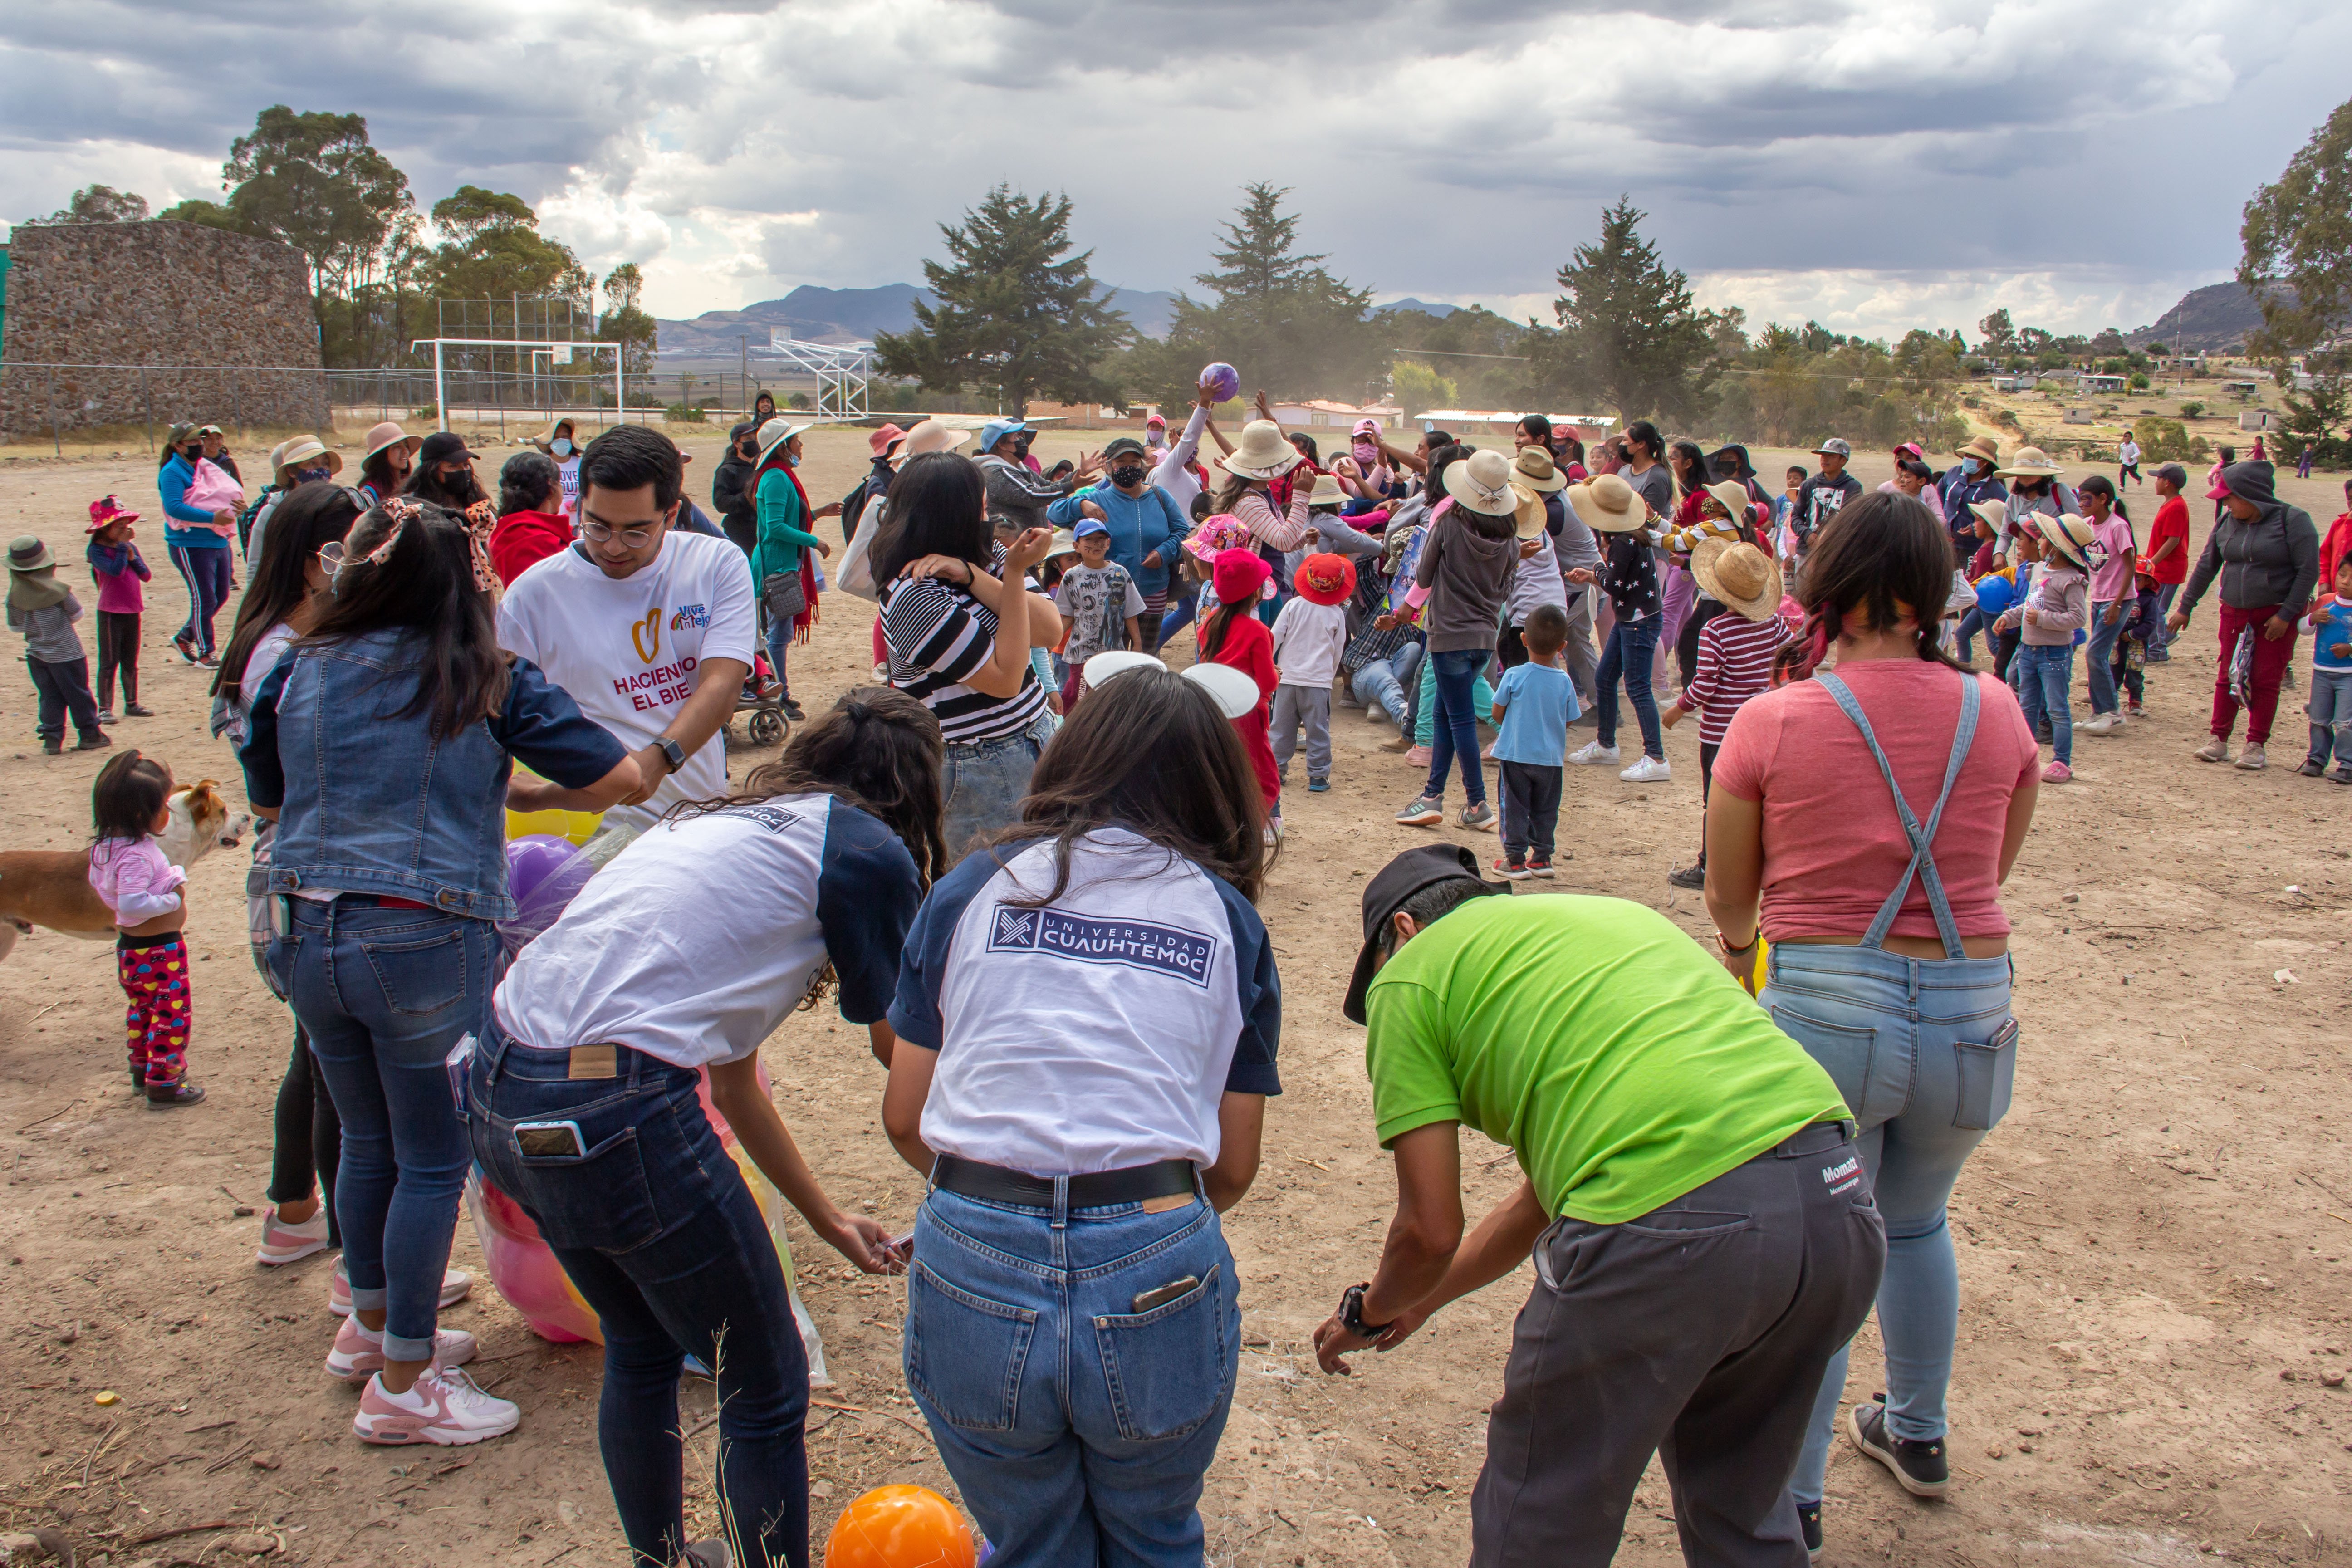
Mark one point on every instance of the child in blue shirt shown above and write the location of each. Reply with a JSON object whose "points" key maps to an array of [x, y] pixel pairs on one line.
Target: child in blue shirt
{"points": [[2331, 678], [1532, 708]]}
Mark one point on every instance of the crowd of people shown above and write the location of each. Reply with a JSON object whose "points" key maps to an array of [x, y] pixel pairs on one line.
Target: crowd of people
{"points": [[1027, 861]]}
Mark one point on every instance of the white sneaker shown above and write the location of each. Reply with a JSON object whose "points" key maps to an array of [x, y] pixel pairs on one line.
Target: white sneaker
{"points": [[1648, 770], [1374, 712], [2103, 724], [359, 1350], [1592, 752], [444, 1405], [284, 1242], [456, 1286]]}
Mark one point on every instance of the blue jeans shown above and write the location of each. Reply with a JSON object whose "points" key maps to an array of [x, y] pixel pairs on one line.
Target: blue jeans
{"points": [[2164, 597], [780, 643], [1632, 645], [982, 785], [206, 571], [384, 993], [1457, 733], [2042, 676], [2100, 654], [1915, 1048], [1382, 680], [656, 1227], [1972, 621], [1077, 1429], [1180, 614], [2330, 710]]}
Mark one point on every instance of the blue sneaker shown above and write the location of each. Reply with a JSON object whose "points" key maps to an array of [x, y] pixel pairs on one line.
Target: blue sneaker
{"points": [[1317, 787]]}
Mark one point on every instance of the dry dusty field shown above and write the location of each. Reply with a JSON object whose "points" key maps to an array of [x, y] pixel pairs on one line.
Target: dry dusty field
{"points": [[2154, 1244]]}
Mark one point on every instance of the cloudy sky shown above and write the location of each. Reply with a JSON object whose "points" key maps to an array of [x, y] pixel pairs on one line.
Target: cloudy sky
{"points": [[1872, 163]]}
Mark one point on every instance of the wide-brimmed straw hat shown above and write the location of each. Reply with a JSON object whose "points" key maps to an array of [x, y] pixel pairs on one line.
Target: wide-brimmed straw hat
{"points": [[1981, 446], [1327, 492], [1993, 514], [293, 454], [1733, 497], [2070, 536], [27, 553], [1607, 504], [1482, 482], [386, 435], [1739, 575], [929, 435], [775, 433], [1533, 469], [547, 438], [1262, 453], [2030, 463]]}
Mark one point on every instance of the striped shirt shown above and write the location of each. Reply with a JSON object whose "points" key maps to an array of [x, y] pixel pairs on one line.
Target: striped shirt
{"points": [[938, 635], [1735, 663]]}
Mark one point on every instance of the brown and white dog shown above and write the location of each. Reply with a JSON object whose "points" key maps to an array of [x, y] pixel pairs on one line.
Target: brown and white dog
{"points": [[51, 886]]}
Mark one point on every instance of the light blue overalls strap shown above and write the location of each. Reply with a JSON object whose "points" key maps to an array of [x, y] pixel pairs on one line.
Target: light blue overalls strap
{"points": [[1923, 859]]}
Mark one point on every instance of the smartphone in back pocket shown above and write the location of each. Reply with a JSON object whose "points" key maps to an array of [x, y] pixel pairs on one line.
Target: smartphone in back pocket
{"points": [[549, 1140]]}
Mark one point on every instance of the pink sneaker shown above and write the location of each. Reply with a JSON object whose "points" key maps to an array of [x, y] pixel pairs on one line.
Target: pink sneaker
{"points": [[456, 1286], [358, 1352], [2056, 772], [1418, 757], [283, 1243], [444, 1407]]}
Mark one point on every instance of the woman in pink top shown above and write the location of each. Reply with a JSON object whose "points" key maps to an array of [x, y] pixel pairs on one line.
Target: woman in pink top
{"points": [[1262, 456], [1881, 901]]}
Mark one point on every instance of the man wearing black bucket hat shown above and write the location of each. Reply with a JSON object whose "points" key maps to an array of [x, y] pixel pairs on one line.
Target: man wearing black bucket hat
{"points": [[1703, 1233]]}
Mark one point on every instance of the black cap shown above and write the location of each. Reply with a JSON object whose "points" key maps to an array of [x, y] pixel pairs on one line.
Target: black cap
{"points": [[1124, 444], [735, 436], [1386, 893], [443, 446]]}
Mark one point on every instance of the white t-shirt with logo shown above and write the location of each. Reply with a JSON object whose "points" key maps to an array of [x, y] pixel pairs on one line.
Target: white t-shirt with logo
{"points": [[567, 474], [627, 650]]}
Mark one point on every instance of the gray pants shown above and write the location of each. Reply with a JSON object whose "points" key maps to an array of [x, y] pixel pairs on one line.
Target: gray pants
{"points": [[1294, 705], [1699, 1331], [1581, 656]]}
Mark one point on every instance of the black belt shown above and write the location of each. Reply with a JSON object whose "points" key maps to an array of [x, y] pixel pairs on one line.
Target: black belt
{"points": [[1098, 1189]]}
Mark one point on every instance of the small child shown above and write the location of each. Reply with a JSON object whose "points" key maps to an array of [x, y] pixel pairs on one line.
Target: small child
{"points": [[118, 569], [1232, 635], [1735, 660], [1101, 607], [1784, 507], [1310, 635], [2054, 609], [130, 805], [2331, 677], [45, 610], [1532, 708]]}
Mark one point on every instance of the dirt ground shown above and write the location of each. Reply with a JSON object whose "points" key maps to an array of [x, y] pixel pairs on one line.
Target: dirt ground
{"points": [[2154, 1244]]}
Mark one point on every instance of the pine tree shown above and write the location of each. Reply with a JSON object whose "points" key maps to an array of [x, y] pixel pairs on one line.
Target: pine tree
{"points": [[1628, 331], [1013, 316]]}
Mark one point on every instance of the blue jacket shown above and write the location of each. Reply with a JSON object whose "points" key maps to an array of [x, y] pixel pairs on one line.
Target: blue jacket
{"points": [[1138, 525], [1959, 491], [171, 482], [369, 803]]}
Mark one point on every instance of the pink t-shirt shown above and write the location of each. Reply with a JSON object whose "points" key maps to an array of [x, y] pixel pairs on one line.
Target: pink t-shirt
{"points": [[2113, 580], [1833, 847]]}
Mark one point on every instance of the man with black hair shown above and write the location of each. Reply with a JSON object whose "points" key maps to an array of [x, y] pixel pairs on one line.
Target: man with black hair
{"points": [[650, 629], [1703, 1233]]}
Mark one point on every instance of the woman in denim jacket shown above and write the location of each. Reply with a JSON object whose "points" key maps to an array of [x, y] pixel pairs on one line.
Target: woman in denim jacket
{"points": [[383, 746], [1087, 1017], [1902, 995]]}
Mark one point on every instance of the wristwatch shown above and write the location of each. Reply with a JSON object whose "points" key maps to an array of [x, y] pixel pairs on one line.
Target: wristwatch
{"points": [[674, 754], [1351, 1314]]}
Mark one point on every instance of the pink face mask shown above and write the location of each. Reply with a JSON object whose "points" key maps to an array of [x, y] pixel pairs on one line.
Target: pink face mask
{"points": [[1366, 453]]}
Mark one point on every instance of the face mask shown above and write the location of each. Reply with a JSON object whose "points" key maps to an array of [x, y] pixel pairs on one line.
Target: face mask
{"points": [[1971, 467], [1155, 439], [1365, 453], [1127, 475], [305, 476], [560, 447], [1021, 447]]}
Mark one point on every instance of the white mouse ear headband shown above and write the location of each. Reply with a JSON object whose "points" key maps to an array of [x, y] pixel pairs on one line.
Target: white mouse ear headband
{"points": [[1233, 691]]}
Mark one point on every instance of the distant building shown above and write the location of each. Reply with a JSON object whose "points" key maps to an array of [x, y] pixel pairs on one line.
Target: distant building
{"points": [[1322, 413], [2092, 382], [1585, 426]]}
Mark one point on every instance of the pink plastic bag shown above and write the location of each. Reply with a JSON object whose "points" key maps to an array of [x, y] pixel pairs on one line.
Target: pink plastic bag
{"points": [[213, 490]]}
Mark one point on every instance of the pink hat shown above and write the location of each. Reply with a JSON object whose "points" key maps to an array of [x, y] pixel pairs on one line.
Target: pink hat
{"points": [[1238, 574], [1368, 428], [885, 439], [1155, 418], [107, 514]]}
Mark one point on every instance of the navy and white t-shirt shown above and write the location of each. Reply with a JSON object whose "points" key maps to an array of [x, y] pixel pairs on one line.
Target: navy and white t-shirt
{"points": [[693, 945], [1096, 1033], [939, 635]]}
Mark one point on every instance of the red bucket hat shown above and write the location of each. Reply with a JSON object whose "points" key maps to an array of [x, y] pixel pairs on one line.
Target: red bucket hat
{"points": [[1326, 579], [882, 440], [1237, 575]]}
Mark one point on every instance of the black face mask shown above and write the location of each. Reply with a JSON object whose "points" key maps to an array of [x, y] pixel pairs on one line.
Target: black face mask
{"points": [[1021, 447], [1127, 475]]}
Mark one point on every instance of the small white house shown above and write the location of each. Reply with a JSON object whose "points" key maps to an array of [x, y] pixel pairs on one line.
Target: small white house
{"points": [[2093, 384]]}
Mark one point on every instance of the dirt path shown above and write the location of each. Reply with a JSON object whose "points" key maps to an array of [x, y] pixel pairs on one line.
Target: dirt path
{"points": [[2152, 1246]]}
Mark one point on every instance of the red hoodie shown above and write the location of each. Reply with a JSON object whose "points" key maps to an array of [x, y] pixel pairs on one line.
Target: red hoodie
{"points": [[2336, 545], [524, 538]]}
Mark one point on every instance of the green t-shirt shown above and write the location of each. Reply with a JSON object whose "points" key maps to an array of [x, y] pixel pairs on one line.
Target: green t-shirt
{"points": [[1619, 1058]]}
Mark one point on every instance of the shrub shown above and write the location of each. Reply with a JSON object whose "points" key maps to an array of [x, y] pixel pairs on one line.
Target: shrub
{"points": [[2192, 410], [2162, 440], [684, 414], [2138, 383], [430, 411]]}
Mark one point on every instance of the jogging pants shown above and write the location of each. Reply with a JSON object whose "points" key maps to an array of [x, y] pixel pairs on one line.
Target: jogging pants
{"points": [[118, 653], [205, 570]]}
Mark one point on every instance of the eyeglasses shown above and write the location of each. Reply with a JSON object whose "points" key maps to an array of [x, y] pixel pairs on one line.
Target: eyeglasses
{"points": [[601, 533], [330, 554]]}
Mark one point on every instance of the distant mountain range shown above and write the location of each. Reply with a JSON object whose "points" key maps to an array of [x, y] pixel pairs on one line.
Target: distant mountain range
{"points": [[853, 315], [2218, 316]]}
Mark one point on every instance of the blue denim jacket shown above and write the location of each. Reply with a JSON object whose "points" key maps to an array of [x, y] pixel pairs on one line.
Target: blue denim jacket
{"points": [[373, 803]]}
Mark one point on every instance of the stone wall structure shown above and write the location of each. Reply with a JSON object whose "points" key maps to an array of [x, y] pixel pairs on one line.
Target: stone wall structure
{"points": [[121, 323]]}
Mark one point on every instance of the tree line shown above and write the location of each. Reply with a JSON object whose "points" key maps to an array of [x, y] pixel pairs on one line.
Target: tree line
{"points": [[315, 182]]}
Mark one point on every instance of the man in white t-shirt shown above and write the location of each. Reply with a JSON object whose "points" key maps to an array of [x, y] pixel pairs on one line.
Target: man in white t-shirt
{"points": [[649, 629]]}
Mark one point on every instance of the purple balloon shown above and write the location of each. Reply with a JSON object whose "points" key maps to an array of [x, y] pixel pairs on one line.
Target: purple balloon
{"points": [[531, 859], [1220, 381]]}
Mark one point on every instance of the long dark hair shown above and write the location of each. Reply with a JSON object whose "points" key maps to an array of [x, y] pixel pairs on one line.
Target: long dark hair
{"points": [[427, 486], [1221, 621], [308, 517], [2100, 485], [1690, 477], [130, 789], [1882, 555], [425, 587], [875, 749], [376, 469], [938, 506], [525, 479], [1151, 752]]}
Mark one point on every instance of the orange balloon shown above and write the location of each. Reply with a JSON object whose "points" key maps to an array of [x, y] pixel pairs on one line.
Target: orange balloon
{"points": [[899, 1527]]}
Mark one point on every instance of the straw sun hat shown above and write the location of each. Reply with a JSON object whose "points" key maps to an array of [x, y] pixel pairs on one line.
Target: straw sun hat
{"points": [[775, 433], [2070, 536], [1482, 482], [928, 435], [292, 455], [1607, 504], [1262, 453], [2030, 463], [1740, 576]]}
